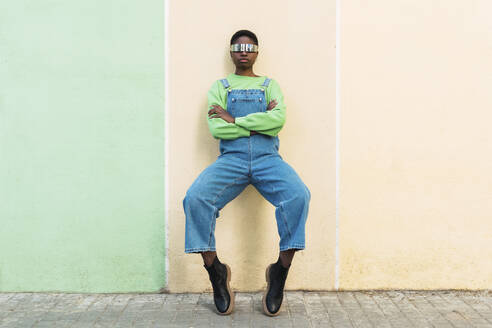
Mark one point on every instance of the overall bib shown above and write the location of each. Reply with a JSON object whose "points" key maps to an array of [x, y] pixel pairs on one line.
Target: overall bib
{"points": [[243, 161]]}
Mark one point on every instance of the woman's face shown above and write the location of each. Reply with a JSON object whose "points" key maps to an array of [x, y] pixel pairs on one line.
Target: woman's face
{"points": [[243, 60]]}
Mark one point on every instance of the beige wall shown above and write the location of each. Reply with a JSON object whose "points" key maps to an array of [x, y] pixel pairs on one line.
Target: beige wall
{"points": [[416, 144], [246, 232]]}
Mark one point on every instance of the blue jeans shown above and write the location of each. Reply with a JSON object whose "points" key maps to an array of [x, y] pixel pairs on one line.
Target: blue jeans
{"points": [[242, 162]]}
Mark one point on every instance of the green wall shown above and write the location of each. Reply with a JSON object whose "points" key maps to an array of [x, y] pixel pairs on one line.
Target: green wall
{"points": [[82, 146]]}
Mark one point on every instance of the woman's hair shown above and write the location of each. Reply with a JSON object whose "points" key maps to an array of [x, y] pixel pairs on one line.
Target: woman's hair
{"points": [[247, 33]]}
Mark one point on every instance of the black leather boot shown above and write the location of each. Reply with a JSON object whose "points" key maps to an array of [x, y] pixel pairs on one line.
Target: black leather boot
{"points": [[276, 275], [220, 275]]}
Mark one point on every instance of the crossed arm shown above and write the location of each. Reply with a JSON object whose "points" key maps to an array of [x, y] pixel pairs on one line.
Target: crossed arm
{"points": [[217, 111], [223, 125]]}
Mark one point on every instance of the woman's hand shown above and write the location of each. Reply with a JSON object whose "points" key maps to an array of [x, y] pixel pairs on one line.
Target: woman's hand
{"points": [[272, 104], [218, 112]]}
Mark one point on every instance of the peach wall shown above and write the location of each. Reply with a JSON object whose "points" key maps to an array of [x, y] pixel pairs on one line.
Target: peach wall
{"points": [[416, 145]]}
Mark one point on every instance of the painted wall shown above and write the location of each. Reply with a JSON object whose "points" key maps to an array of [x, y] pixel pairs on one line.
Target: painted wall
{"points": [[297, 48], [82, 146], [416, 144], [82, 143]]}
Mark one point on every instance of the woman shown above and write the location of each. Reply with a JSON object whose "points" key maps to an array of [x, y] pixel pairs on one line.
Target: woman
{"points": [[246, 112]]}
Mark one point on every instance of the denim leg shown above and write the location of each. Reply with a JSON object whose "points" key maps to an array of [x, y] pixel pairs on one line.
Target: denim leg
{"points": [[282, 187], [216, 186]]}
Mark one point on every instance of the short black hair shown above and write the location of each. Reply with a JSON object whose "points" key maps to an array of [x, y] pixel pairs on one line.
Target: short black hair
{"points": [[247, 33]]}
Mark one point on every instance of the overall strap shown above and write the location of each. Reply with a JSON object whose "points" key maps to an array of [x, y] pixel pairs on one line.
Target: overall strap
{"points": [[225, 83], [266, 83]]}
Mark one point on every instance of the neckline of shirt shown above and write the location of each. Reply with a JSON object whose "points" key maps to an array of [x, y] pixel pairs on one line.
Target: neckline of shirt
{"points": [[246, 77]]}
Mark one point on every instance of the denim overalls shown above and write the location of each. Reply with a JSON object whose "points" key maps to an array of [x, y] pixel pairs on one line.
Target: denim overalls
{"points": [[243, 161]]}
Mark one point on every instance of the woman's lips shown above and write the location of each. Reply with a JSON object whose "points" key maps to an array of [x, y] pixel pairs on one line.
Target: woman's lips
{"points": [[243, 60]]}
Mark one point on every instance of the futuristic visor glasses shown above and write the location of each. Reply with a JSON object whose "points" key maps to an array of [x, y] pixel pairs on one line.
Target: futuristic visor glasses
{"points": [[240, 47]]}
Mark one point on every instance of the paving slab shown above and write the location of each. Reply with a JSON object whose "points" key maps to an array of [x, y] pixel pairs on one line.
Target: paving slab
{"points": [[342, 309]]}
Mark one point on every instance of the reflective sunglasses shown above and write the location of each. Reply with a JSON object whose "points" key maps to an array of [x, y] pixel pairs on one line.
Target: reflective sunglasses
{"points": [[240, 47]]}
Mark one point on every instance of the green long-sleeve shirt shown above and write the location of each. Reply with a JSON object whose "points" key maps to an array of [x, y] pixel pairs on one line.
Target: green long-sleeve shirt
{"points": [[269, 122]]}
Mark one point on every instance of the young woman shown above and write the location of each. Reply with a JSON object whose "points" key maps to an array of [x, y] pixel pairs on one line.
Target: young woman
{"points": [[246, 112]]}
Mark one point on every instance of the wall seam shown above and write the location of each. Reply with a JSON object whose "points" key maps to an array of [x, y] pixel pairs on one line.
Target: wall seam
{"points": [[166, 141], [337, 143]]}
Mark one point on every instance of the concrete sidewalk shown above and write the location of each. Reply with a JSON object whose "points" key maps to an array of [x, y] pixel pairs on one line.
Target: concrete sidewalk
{"points": [[300, 309]]}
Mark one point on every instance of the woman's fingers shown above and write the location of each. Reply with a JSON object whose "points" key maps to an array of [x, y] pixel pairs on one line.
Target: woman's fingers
{"points": [[217, 107], [216, 111], [272, 104], [214, 115]]}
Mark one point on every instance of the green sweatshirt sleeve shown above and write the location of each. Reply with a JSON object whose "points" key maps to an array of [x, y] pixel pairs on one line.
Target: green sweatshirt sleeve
{"points": [[269, 122], [219, 128]]}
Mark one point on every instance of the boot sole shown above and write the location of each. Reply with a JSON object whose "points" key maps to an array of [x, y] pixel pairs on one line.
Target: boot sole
{"points": [[265, 308], [231, 294]]}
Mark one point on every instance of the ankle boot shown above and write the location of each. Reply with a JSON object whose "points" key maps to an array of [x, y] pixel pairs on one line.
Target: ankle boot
{"points": [[276, 275], [220, 275]]}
